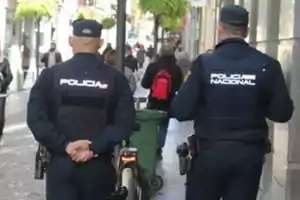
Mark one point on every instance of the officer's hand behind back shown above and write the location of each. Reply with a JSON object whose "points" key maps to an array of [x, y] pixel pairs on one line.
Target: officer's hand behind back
{"points": [[83, 156], [78, 145]]}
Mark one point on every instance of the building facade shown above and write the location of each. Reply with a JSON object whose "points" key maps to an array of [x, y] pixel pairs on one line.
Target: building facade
{"points": [[274, 29]]}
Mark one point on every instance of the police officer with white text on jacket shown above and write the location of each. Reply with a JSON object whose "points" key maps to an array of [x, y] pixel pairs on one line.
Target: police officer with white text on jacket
{"points": [[229, 95], [79, 110]]}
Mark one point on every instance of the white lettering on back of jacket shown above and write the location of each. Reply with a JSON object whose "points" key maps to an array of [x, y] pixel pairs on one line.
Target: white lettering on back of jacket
{"points": [[83, 83], [233, 79]]}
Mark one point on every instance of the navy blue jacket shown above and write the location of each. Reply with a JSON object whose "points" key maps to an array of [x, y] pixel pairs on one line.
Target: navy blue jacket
{"points": [[231, 92], [81, 98]]}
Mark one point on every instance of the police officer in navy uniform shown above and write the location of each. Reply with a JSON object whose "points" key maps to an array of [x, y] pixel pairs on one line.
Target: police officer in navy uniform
{"points": [[229, 95], [79, 110]]}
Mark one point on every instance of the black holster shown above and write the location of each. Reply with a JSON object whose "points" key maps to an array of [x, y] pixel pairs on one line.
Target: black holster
{"points": [[187, 152], [268, 146], [42, 159], [183, 155], [120, 194], [193, 145]]}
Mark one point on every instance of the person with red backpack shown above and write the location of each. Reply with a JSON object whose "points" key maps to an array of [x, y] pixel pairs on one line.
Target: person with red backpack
{"points": [[163, 78]]}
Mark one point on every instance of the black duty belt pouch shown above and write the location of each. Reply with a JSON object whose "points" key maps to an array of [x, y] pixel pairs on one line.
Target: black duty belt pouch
{"points": [[183, 156], [268, 146], [194, 146]]}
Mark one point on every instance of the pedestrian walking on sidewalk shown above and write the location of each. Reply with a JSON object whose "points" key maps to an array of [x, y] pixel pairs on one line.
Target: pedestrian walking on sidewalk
{"points": [[164, 79], [149, 52], [5, 80], [111, 60], [229, 94], [130, 61], [140, 56], [52, 57]]}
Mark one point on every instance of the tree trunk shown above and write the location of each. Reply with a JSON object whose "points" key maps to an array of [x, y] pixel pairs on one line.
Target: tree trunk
{"points": [[155, 33], [37, 47], [162, 36]]}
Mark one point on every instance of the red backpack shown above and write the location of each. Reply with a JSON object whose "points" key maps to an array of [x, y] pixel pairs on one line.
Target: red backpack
{"points": [[162, 84]]}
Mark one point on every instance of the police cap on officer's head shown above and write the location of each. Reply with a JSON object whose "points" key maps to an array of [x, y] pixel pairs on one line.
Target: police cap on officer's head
{"points": [[87, 28], [234, 15]]}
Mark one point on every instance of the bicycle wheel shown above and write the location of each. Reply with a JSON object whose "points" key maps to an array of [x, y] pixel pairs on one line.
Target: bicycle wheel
{"points": [[129, 182]]}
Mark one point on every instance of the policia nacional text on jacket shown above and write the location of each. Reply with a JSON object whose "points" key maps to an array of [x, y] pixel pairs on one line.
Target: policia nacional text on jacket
{"points": [[229, 95], [76, 102]]}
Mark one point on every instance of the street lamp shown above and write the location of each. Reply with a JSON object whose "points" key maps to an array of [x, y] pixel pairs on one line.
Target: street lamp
{"points": [[121, 33]]}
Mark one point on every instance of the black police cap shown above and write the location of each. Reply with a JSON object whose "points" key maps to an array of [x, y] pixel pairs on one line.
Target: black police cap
{"points": [[87, 28], [234, 15]]}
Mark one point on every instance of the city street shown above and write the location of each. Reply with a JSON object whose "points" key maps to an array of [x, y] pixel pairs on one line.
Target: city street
{"points": [[273, 29]]}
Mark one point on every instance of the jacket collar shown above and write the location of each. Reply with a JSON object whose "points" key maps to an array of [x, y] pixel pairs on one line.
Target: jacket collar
{"points": [[231, 41]]}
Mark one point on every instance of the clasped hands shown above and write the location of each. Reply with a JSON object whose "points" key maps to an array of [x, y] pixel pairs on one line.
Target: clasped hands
{"points": [[79, 151]]}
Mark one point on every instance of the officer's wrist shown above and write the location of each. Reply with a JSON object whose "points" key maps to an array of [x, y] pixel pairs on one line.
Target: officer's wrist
{"points": [[66, 144], [92, 148]]}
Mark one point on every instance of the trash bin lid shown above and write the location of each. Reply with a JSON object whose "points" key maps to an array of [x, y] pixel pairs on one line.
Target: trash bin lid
{"points": [[147, 114]]}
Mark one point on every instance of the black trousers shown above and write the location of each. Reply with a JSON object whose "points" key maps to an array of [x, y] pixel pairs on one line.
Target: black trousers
{"points": [[141, 64], [67, 180], [227, 170], [2, 115]]}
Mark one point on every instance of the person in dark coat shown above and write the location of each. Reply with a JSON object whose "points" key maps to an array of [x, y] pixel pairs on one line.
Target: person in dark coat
{"points": [[79, 110], [166, 61], [6, 78], [130, 61], [229, 94], [107, 49], [150, 51]]}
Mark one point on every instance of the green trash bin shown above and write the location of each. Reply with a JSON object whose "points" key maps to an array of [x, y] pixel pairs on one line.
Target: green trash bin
{"points": [[146, 141]]}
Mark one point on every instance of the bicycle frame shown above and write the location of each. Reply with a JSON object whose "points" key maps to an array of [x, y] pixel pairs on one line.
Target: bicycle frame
{"points": [[126, 163]]}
